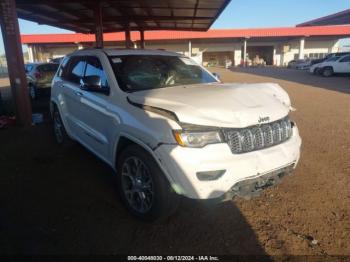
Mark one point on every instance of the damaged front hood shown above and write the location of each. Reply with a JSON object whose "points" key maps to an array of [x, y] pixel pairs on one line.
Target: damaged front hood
{"points": [[224, 105]]}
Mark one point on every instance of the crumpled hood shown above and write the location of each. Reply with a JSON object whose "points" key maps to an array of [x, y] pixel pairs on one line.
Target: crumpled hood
{"points": [[222, 105]]}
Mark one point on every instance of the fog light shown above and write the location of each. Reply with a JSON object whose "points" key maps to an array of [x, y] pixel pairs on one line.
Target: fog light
{"points": [[210, 175]]}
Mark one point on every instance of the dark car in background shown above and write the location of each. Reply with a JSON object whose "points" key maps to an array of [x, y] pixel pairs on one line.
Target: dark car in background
{"points": [[39, 77]]}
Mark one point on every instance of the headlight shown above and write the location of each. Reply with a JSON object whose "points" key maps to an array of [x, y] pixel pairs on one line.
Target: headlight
{"points": [[197, 138]]}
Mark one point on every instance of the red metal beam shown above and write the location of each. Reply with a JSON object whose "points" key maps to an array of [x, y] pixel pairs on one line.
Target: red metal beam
{"points": [[15, 62]]}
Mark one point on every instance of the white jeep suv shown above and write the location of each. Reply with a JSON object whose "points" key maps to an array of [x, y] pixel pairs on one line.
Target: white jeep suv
{"points": [[168, 127]]}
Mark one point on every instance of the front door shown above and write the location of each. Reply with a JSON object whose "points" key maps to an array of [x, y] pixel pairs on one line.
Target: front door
{"points": [[95, 121], [344, 65]]}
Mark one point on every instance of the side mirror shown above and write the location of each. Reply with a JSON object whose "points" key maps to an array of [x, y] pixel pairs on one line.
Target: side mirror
{"points": [[93, 84], [217, 76]]}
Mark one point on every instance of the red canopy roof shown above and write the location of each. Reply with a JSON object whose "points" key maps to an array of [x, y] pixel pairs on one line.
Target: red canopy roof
{"points": [[341, 31]]}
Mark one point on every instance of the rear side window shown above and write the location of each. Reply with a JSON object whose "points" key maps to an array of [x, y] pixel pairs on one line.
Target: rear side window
{"points": [[94, 68], [63, 68], [75, 70]]}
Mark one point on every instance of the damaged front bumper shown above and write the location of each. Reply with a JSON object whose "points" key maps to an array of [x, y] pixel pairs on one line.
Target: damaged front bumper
{"points": [[182, 166], [253, 187]]}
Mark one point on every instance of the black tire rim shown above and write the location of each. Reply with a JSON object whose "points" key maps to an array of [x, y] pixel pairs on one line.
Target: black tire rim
{"points": [[137, 185]]}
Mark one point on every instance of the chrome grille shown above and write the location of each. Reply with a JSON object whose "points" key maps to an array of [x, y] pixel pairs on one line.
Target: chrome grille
{"points": [[258, 137]]}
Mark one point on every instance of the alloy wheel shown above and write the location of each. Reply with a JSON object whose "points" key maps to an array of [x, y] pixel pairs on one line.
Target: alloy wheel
{"points": [[137, 185]]}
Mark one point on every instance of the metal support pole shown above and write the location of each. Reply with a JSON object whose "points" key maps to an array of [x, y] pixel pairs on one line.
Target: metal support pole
{"points": [[35, 54], [98, 26], [142, 38], [30, 54], [301, 48], [128, 43], [15, 62], [245, 53], [189, 49]]}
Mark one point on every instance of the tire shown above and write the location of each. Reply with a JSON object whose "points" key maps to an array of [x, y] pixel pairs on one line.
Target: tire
{"points": [[327, 71], [143, 187], [59, 130], [316, 71], [33, 92]]}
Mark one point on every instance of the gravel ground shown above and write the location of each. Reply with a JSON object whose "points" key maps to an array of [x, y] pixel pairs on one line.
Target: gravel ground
{"points": [[62, 201]]}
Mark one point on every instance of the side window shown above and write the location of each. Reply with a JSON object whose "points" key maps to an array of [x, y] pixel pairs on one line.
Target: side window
{"points": [[345, 59], [76, 70], [63, 67], [28, 68], [94, 68]]}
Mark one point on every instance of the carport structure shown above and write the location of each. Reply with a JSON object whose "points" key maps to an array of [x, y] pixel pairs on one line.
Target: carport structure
{"points": [[340, 18], [96, 17]]}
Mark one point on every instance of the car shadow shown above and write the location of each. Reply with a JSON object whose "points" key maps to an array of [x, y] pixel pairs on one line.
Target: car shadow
{"points": [[63, 201], [339, 83]]}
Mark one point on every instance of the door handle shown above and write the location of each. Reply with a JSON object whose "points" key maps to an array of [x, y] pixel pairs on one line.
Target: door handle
{"points": [[79, 93]]}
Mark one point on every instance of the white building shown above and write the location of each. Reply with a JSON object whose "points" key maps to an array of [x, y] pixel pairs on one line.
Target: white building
{"points": [[273, 46]]}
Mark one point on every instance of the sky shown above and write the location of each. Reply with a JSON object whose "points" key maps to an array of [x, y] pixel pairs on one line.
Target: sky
{"points": [[244, 14]]}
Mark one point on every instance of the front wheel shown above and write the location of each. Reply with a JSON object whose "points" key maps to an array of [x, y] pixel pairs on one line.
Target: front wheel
{"points": [[327, 72], [143, 187]]}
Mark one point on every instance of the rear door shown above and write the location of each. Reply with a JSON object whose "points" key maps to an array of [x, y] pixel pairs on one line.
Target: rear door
{"points": [[70, 94]]}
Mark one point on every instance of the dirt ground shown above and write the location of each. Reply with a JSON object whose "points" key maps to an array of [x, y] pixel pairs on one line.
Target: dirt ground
{"points": [[63, 201]]}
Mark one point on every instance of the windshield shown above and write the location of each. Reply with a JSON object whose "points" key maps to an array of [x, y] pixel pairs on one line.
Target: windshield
{"points": [[332, 59], [145, 72]]}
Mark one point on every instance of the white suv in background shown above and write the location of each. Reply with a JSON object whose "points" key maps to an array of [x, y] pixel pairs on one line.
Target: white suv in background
{"points": [[333, 65], [168, 127]]}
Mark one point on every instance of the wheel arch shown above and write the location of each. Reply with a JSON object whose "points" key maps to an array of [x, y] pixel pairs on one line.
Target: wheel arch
{"points": [[55, 104], [126, 140]]}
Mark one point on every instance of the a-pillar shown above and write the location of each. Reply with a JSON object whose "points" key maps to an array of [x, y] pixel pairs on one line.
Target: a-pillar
{"points": [[15, 62], [301, 48]]}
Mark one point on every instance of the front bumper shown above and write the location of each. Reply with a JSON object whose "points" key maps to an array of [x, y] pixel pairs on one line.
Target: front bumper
{"points": [[254, 186], [181, 165]]}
